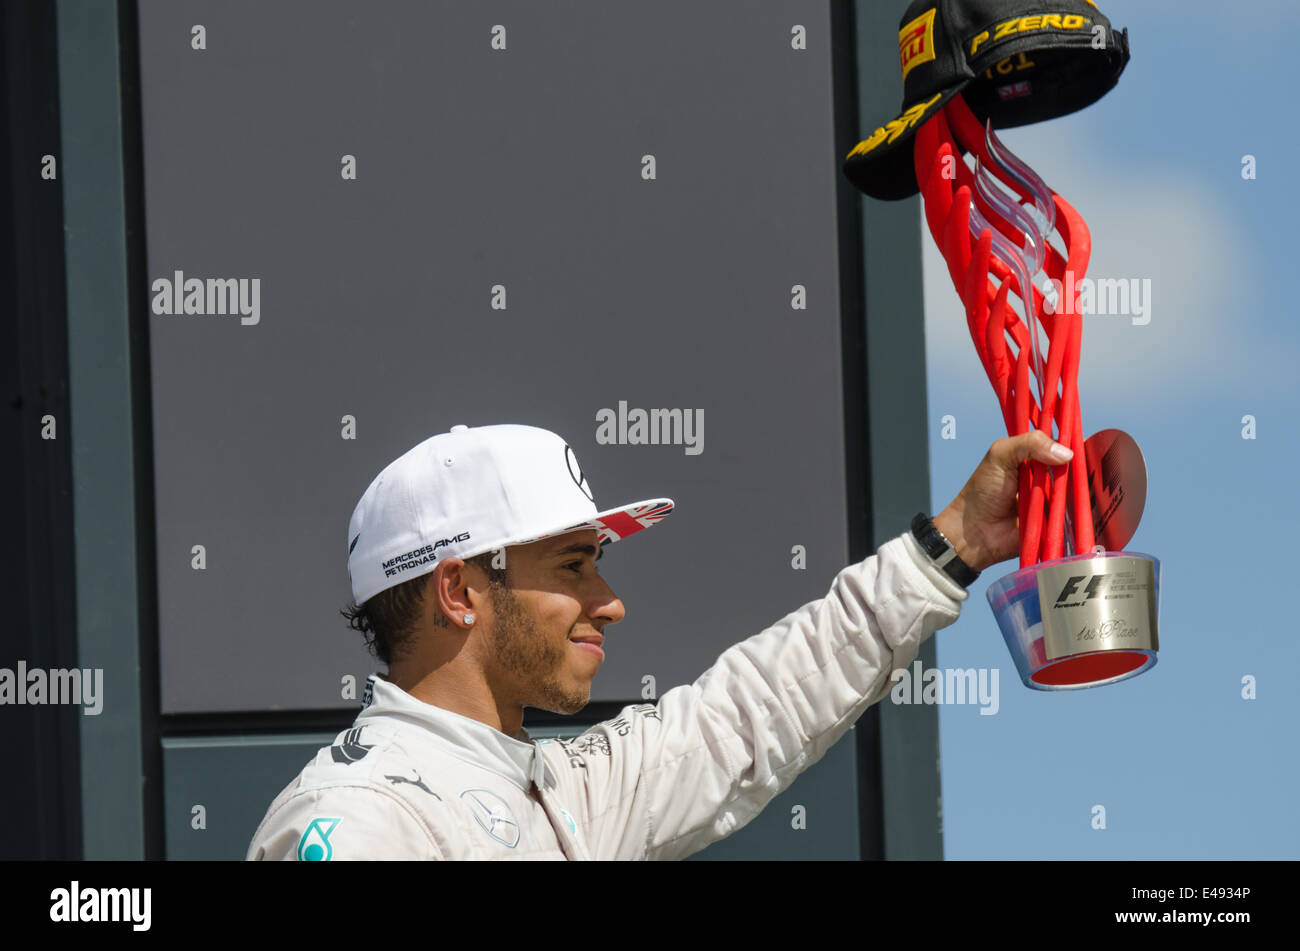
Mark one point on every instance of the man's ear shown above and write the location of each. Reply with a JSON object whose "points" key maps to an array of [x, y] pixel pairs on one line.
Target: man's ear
{"points": [[448, 593], [429, 603]]}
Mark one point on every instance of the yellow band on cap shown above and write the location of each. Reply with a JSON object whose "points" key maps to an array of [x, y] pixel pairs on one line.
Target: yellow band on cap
{"points": [[1029, 24], [916, 42]]}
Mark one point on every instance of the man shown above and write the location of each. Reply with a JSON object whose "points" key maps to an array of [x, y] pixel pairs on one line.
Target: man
{"points": [[473, 563]]}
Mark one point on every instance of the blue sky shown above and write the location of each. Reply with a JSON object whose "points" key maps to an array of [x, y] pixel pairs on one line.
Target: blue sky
{"points": [[1185, 768]]}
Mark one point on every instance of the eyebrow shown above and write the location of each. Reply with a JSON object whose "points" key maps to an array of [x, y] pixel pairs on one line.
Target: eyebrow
{"points": [[581, 550]]}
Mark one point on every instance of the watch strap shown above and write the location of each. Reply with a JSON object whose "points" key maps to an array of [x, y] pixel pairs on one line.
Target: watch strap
{"points": [[941, 551]]}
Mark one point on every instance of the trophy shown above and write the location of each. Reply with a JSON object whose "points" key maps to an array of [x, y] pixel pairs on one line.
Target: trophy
{"points": [[1081, 611]]}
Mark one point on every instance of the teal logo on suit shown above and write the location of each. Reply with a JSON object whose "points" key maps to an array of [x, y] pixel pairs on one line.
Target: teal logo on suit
{"points": [[315, 843]]}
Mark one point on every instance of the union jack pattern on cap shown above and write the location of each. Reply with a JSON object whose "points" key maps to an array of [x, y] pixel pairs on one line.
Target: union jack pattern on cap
{"points": [[619, 525]]}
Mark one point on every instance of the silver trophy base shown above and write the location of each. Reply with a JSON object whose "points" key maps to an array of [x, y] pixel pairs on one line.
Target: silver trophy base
{"points": [[1081, 621]]}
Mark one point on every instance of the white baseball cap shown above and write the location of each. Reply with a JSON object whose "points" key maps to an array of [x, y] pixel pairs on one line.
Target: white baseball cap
{"points": [[474, 490]]}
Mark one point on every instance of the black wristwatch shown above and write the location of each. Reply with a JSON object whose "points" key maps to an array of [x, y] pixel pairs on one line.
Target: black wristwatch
{"points": [[941, 552]]}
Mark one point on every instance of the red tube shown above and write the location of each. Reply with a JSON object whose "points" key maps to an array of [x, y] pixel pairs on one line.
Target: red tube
{"points": [[977, 310], [1074, 230], [957, 240], [997, 350]]}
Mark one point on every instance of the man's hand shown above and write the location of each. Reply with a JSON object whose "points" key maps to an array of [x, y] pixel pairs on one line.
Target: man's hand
{"points": [[981, 522]]}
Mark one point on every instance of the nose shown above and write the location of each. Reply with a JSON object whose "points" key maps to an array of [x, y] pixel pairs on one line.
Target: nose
{"points": [[607, 607]]}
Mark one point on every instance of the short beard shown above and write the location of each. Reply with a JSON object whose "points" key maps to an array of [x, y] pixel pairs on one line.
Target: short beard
{"points": [[526, 655]]}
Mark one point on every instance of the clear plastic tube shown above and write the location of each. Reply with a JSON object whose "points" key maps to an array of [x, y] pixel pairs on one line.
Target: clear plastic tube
{"points": [[1007, 160], [1014, 259], [1044, 202], [987, 188]]}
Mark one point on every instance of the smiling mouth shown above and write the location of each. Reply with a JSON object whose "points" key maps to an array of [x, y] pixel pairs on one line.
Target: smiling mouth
{"points": [[591, 642]]}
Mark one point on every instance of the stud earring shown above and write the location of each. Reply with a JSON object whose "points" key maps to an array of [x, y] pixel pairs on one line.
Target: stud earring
{"points": [[469, 619]]}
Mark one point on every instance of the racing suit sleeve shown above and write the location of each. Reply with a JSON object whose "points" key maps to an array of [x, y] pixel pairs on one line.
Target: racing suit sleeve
{"points": [[339, 823], [664, 781]]}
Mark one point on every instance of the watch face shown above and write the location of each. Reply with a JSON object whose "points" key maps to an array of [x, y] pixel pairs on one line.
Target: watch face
{"points": [[940, 547], [941, 551], [932, 542]]}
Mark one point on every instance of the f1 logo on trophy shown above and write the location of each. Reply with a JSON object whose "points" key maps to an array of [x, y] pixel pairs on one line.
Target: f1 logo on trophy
{"points": [[1080, 611]]}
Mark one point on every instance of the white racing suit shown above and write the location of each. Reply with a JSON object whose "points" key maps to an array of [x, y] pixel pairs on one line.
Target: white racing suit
{"points": [[660, 781]]}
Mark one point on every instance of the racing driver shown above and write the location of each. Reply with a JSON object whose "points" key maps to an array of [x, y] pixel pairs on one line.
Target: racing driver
{"points": [[472, 560]]}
